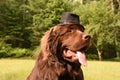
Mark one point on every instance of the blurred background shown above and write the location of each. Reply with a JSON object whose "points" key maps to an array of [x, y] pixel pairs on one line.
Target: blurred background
{"points": [[23, 22]]}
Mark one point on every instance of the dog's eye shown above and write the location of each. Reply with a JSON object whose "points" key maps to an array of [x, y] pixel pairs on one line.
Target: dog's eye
{"points": [[69, 30]]}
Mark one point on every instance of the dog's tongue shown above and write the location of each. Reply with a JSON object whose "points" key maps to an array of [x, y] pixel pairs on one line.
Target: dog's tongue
{"points": [[82, 58]]}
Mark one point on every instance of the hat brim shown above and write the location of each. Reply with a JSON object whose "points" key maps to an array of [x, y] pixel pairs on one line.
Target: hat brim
{"points": [[68, 23]]}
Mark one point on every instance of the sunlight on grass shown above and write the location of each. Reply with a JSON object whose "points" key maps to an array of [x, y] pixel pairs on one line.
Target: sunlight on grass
{"points": [[102, 70], [19, 69], [15, 69]]}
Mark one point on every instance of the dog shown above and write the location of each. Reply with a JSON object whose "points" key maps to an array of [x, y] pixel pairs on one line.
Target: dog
{"points": [[62, 54]]}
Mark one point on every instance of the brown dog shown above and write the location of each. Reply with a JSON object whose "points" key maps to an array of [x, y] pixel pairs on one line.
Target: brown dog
{"points": [[62, 53]]}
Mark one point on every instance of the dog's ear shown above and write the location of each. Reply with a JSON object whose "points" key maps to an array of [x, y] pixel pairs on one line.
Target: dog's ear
{"points": [[53, 40], [45, 44], [50, 42]]}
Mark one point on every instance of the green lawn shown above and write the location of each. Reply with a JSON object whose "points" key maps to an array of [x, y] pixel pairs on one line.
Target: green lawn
{"points": [[102, 70], [15, 69], [19, 69]]}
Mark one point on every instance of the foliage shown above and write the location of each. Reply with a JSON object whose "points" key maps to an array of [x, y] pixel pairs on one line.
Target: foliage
{"points": [[100, 23], [48, 15], [14, 27], [15, 52], [23, 22]]}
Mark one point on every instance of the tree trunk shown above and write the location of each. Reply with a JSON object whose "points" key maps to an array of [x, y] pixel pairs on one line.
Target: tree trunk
{"points": [[98, 52], [118, 55], [112, 6], [119, 5], [115, 6], [81, 1], [99, 55]]}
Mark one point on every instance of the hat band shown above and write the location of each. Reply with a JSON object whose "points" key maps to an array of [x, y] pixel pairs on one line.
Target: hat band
{"points": [[69, 23]]}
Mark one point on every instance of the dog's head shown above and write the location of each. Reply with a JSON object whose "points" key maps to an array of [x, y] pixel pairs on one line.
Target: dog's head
{"points": [[66, 43]]}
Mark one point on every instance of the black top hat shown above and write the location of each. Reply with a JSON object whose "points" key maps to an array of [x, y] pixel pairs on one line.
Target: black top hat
{"points": [[69, 18]]}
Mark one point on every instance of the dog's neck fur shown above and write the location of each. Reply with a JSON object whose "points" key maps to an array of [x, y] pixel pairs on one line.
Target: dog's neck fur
{"points": [[51, 69], [59, 71]]}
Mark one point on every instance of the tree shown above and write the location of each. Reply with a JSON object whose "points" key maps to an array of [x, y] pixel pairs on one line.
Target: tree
{"points": [[47, 15], [22, 22], [14, 23], [100, 23]]}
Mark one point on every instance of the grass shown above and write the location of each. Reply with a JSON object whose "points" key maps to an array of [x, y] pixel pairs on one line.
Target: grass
{"points": [[15, 69], [102, 70], [19, 69]]}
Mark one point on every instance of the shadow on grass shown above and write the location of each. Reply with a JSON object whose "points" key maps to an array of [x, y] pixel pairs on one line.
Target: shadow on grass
{"points": [[113, 60]]}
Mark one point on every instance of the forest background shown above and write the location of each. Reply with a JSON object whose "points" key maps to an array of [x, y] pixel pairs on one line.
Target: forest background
{"points": [[23, 23]]}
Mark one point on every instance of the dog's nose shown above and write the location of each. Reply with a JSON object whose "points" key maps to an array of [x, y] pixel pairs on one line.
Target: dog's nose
{"points": [[86, 37]]}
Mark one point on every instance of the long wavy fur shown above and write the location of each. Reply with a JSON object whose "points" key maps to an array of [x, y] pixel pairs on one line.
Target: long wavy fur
{"points": [[50, 65]]}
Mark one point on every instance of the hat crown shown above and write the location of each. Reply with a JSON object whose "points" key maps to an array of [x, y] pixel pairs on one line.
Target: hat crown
{"points": [[69, 18]]}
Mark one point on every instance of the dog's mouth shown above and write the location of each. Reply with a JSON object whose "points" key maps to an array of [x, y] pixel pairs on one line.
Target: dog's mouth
{"points": [[76, 55]]}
